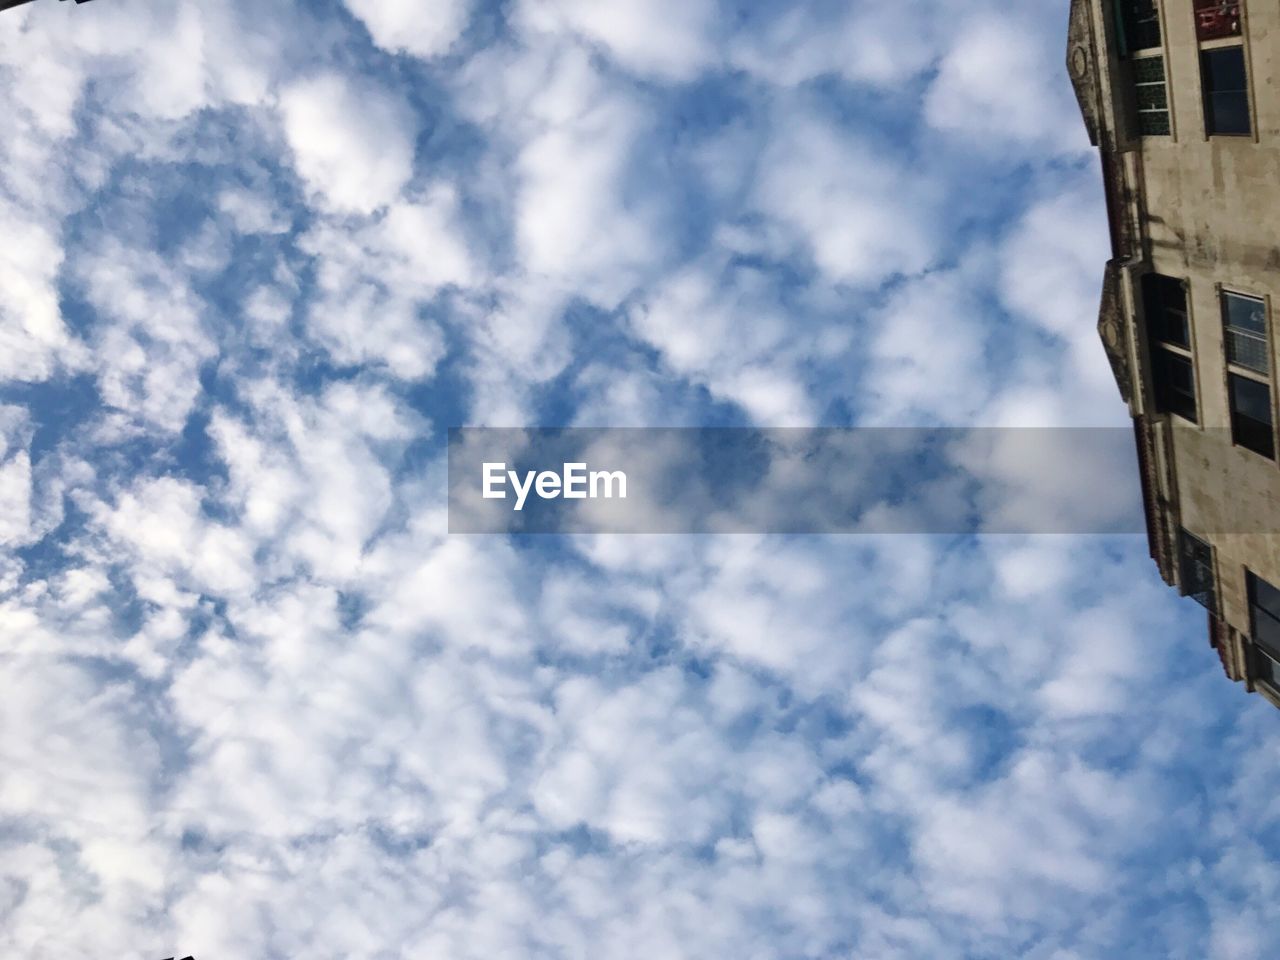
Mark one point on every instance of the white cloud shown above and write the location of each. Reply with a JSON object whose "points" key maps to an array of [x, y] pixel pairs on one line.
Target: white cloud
{"points": [[572, 221], [852, 206], [15, 499], [582, 222], [866, 43], [148, 358], [161, 522], [973, 95], [351, 140], [723, 327], [410, 26], [1050, 277], [252, 213], [375, 281], [308, 473], [34, 341], [927, 352], [672, 39]]}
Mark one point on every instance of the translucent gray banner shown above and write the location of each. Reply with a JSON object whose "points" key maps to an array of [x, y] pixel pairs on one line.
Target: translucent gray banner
{"points": [[823, 481]]}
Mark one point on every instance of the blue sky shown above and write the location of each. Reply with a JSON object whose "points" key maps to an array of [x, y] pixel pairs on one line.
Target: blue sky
{"points": [[255, 702]]}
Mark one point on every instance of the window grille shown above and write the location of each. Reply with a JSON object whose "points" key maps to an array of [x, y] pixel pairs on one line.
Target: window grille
{"points": [[1245, 320], [1152, 96]]}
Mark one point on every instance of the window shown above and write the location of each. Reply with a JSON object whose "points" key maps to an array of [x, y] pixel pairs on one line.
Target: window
{"points": [[1216, 19], [1266, 668], [1153, 98], [1226, 91], [1164, 308], [1139, 25], [1264, 625], [1251, 414], [1164, 301], [1175, 384], [1245, 320], [1195, 569]]}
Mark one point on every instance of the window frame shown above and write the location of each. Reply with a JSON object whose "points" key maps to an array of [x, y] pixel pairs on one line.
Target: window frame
{"points": [[1224, 295], [1236, 431], [1128, 27], [1161, 351], [1237, 371], [1162, 384], [1261, 651], [1152, 297], [1148, 55]]}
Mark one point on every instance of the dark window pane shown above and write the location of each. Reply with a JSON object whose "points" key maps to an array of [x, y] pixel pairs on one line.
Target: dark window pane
{"points": [[1228, 113], [1264, 596], [1154, 123], [1151, 95], [1175, 384], [1223, 68], [1226, 97], [1251, 415], [1148, 70], [1196, 570], [1164, 301], [1139, 25], [1251, 398], [1254, 435], [1266, 632], [1266, 669]]}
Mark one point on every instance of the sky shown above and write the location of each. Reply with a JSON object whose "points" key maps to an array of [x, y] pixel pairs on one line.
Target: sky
{"points": [[256, 702]]}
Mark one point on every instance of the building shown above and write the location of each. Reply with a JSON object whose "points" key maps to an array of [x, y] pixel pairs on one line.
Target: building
{"points": [[1180, 96], [7, 4]]}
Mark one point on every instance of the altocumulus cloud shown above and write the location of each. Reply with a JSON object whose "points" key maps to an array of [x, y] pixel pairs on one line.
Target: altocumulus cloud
{"points": [[254, 702]]}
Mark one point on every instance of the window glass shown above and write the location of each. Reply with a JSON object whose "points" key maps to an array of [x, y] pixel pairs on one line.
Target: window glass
{"points": [[1139, 25], [1264, 596], [1266, 669], [1266, 633], [1196, 570], [1216, 19], [1251, 398], [1246, 323], [1246, 313], [1165, 306], [1175, 384], [1264, 614], [1226, 97], [1251, 414], [1153, 100]]}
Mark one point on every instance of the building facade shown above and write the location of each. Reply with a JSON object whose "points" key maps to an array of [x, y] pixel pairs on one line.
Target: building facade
{"points": [[7, 4], [1181, 98]]}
